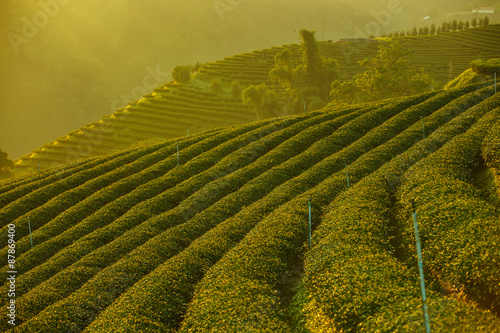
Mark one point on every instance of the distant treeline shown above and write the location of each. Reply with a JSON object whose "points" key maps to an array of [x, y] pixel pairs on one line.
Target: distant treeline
{"points": [[434, 29]]}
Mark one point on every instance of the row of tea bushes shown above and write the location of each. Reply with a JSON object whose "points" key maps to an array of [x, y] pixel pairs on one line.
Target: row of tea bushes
{"points": [[72, 183], [38, 196], [254, 268], [72, 206], [26, 258], [220, 187], [249, 207], [488, 67], [178, 216], [143, 202], [240, 292], [13, 189], [460, 230], [491, 148], [353, 276], [231, 218]]}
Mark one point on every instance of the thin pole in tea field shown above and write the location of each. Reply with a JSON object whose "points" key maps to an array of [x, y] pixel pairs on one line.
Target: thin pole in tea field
{"points": [[309, 200], [420, 269], [31, 239], [423, 126], [346, 174], [177, 154]]}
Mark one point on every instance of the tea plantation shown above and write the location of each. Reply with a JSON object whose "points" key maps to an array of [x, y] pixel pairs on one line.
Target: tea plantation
{"points": [[209, 232]]}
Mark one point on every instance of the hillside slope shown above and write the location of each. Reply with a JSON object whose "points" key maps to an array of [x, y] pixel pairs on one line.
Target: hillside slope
{"points": [[135, 242], [171, 109]]}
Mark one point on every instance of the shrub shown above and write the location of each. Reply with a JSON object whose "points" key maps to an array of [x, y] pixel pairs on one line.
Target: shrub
{"points": [[488, 67], [216, 85], [236, 89], [182, 74]]}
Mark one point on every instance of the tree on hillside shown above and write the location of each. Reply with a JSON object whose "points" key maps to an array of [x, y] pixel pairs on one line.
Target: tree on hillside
{"points": [[480, 23], [432, 30], [6, 165], [236, 89], [216, 85], [466, 25], [305, 81], [283, 70], [387, 75], [447, 26], [460, 25], [311, 59], [486, 21], [414, 31], [473, 22], [454, 25], [182, 74], [266, 101]]}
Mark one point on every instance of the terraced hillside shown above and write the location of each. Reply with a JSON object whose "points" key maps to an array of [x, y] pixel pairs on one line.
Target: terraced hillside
{"points": [[134, 242], [170, 110]]}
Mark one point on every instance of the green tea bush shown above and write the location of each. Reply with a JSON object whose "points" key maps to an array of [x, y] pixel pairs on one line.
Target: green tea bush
{"points": [[142, 208], [248, 205], [33, 182], [263, 256], [491, 147], [488, 67], [353, 275], [104, 256], [459, 226], [38, 198]]}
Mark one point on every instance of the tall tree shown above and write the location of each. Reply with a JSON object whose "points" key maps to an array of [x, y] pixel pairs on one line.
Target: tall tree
{"points": [[283, 70], [182, 74], [311, 59], [265, 100], [308, 80], [432, 30]]}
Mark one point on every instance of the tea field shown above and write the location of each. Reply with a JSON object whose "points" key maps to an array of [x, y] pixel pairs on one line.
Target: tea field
{"points": [[209, 232]]}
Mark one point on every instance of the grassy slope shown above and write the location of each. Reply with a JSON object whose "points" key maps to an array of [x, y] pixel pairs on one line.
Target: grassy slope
{"points": [[170, 110], [131, 242]]}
